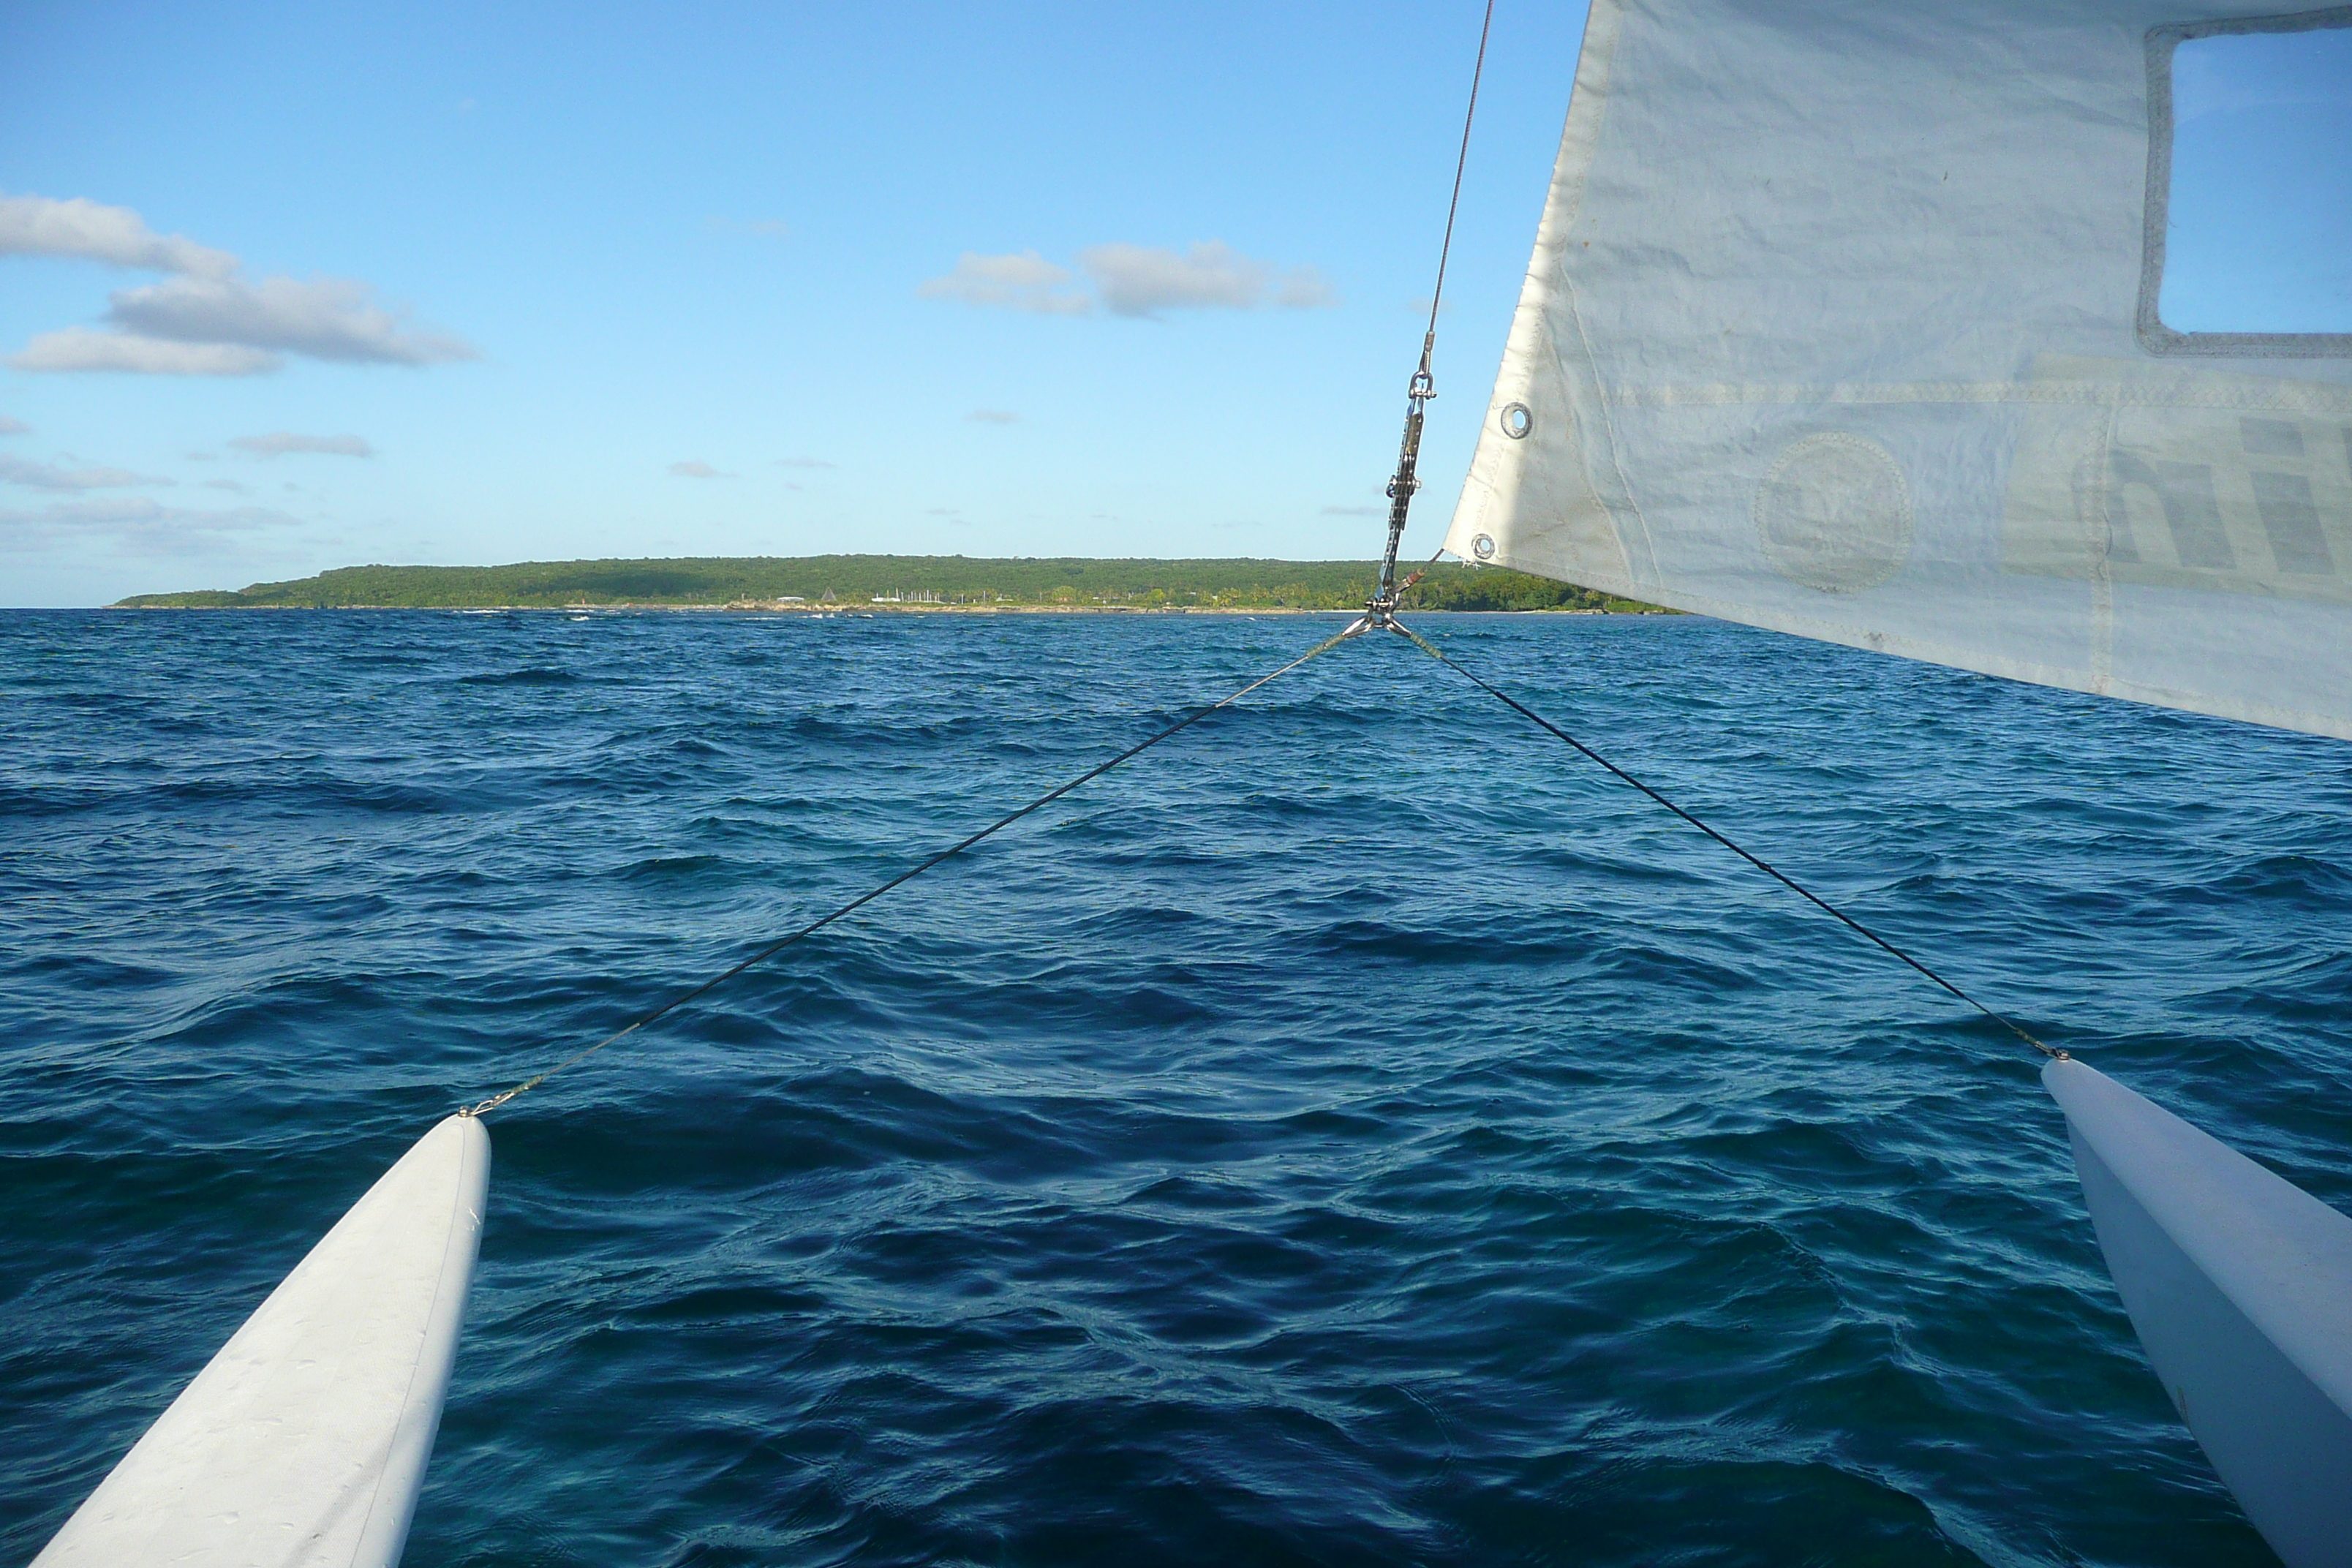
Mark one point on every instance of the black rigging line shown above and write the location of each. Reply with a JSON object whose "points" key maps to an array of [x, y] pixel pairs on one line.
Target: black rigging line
{"points": [[1753, 859], [951, 852]]}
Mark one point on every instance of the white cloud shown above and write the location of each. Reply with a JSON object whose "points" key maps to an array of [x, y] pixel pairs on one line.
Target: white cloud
{"points": [[48, 476], [135, 524], [1136, 280], [130, 509], [1131, 280], [40, 226], [1024, 280], [1305, 288], [205, 320], [278, 443], [696, 468], [78, 347], [1143, 280], [230, 485], [324, 317], [12, 426], [992, 416]]}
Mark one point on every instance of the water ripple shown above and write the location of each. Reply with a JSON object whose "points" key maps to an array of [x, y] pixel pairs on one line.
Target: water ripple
{"points": [[1359, 1132]]}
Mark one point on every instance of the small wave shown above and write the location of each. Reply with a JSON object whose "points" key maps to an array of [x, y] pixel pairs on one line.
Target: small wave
{"points": [[1354, 1131]]}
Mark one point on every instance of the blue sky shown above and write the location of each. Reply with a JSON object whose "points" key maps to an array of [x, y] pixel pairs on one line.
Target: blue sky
{"points": [[2260, 237], [492, 284], [701, 236]]}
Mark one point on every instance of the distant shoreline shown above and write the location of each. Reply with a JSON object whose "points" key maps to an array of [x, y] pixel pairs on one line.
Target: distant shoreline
{"points": [[828, 611], [901, 585]]}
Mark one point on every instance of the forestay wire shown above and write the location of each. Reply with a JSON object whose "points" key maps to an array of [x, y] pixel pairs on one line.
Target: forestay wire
{"points": [[950, 853], [1404, 484], [1401, 491]]}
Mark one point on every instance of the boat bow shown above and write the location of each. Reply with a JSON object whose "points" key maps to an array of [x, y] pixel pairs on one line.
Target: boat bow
{"points": [[2240, 1284], [304, 1441]]}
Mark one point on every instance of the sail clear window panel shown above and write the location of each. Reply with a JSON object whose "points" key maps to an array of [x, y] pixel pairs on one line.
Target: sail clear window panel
{"points": [[2258, 221]]}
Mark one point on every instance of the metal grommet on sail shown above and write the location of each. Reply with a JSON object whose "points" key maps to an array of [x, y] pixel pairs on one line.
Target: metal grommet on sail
{"points": [[1483, 547], [1518, 421]]}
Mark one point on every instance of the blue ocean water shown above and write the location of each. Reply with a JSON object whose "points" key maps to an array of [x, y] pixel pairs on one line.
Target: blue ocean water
{"points": [[1359, 1132]]}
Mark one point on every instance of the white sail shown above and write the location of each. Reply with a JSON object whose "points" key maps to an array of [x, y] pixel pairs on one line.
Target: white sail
{"points": [[1842, 320], [304, 1441]]}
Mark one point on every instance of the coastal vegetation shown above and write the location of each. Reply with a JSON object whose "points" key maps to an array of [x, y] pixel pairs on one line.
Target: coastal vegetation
{"points": [[894, 582]]}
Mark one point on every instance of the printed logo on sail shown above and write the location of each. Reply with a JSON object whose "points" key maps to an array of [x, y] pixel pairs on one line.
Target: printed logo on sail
{"points": [[1834, 514], [2197, 479]]}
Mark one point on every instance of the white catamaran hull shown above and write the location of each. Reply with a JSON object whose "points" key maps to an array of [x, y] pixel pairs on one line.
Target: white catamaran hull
{"points": [[2240, 1284], [304, 1440]]}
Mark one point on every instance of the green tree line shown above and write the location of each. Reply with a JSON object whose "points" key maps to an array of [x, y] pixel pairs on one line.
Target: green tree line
{"points": [[862, 579]]}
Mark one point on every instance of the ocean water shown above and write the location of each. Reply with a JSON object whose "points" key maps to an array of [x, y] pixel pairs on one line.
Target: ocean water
{"points": [[1357, 1131]]}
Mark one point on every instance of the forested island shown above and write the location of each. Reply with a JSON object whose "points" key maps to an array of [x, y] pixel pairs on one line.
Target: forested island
{"points": [[913, 583]]}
